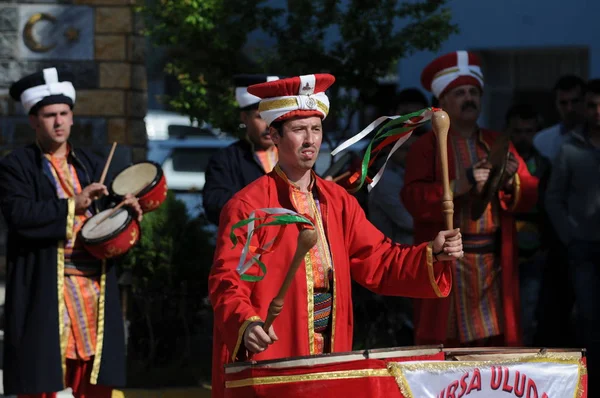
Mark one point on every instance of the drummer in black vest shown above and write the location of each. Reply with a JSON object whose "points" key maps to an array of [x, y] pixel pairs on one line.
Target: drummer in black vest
{"points": [[64, 326], [253, 156]]}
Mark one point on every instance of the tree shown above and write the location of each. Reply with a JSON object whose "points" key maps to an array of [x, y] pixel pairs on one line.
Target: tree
{"points": [[358, 41]]}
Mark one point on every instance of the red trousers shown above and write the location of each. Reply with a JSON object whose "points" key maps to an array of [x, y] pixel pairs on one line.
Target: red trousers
{"points": [[78, 378]]}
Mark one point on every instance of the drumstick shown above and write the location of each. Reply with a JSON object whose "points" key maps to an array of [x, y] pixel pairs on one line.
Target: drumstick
{"points": [[343, 175], [110, 155], [306, 240], [117, 207], [441, 124]]}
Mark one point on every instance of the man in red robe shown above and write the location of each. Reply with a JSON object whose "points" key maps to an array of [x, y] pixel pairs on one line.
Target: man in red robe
{"points": [[483, 308], [317, 315]]}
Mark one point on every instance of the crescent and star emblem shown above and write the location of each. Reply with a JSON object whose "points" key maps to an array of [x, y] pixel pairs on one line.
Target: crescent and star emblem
{"points": [[71, 34]]}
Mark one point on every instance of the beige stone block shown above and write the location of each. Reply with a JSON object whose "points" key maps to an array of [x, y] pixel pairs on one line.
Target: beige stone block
{"points": [[110, 47], [137, 104], [113, 20], [115, 75], [139, 78], [137, 132], [136, 51], [100, 103], [117, 131], [138, 154]]}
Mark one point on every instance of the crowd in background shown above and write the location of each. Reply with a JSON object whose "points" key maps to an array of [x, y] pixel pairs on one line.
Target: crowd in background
{"points": [[557, 240]]}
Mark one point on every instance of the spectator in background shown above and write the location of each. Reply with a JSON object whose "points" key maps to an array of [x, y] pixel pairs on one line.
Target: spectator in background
{"points": [[553, 308], [573, 203], [522, 123], [568, 95], [387, 212]]}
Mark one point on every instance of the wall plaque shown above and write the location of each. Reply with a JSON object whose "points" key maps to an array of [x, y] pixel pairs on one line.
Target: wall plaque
{"points": [[56, 32]]}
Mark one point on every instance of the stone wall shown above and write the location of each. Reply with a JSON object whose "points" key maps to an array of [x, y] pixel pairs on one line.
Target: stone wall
{"points": [[101, 42]]}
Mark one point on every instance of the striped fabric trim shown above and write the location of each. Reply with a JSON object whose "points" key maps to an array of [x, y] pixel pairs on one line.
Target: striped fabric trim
{"points": [[477, 307], [323, 305], [81, 298], [268, 158]]}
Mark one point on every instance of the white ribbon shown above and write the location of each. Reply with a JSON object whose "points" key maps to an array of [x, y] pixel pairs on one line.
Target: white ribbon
{"points": [[425, 116], [300, 102], [366, 131]]}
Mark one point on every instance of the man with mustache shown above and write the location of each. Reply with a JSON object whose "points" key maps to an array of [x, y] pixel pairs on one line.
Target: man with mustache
{"points": [[317, 316], [242, 162], [483, 308]]}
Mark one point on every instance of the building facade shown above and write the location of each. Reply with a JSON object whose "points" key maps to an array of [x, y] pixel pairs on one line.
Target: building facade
{"points": [[99, 41], [524, 46]]}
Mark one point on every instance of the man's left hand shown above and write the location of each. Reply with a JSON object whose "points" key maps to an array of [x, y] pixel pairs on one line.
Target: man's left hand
{"points": [[447, 245], [132, 202], [512, 165]]}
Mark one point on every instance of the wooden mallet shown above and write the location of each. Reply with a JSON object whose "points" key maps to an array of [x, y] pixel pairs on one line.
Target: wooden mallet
{"points": [[306, 239], [440, 122]]}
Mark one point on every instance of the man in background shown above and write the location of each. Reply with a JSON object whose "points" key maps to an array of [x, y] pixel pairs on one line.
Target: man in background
{"points": [[247, 159], [522, 123]]}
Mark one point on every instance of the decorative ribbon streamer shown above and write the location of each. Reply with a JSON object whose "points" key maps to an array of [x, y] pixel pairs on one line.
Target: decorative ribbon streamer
{"points": [[276, 217], [392, 129]]}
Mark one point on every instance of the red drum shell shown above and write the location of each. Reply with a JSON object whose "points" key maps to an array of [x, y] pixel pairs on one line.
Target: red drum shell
{"points": [[116, 243], [152, 199], [151, 195]]}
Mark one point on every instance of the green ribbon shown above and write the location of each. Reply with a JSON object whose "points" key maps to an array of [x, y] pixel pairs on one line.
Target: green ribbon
{"points": [[392, 127], [275, 220]]}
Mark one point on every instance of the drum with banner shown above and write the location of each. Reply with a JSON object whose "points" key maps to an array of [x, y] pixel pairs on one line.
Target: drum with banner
{"points": [[110, 233], [415, 372], [361, 374], [146, 181]]}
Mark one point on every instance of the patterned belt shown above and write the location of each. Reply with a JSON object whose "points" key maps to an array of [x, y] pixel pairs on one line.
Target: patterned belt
{"points": [[86, 269], [323, 304], [481, 243]]}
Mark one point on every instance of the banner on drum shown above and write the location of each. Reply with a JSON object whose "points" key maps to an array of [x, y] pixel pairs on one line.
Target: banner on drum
{"points": [[532, 379]]}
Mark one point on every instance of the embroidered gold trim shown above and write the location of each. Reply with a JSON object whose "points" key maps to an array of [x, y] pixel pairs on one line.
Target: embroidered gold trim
{"points": [[327, 256], [100, 327], [396, 371], [333, 311], [276, 104], [337, 375], [310, 295], [264, 106], [60, 289], [455, 70], [241, 334], [70, 216], [430, 271]]}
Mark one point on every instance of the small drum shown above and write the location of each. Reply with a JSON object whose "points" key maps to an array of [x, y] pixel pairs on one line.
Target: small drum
{"points": [[146, 181], [360, 374], [113, 236]]}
